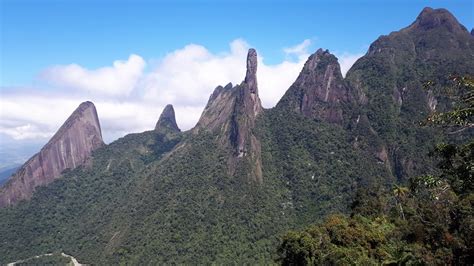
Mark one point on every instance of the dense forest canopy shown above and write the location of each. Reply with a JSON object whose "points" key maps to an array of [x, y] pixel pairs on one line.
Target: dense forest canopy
{"points": [[372, 168]]}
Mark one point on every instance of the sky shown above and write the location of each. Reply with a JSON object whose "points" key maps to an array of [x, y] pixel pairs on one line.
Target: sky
{"points": [[131, 58]]}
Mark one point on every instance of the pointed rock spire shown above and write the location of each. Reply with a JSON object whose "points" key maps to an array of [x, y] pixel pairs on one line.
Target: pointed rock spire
{"points": [[321, 74], [71, 146], [251, 75], [249, 89], [225, 102], [167, 121], [319, 90], [231, 113]]}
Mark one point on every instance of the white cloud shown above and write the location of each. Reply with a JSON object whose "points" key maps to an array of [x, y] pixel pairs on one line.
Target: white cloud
{"points": [[25, 131], [299, 49], [346, 60], [274, 80], [130, 100], [187, 76], [26, 116], [119, 79]]}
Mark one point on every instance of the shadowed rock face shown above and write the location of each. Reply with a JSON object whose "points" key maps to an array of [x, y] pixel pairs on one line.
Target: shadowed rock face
{"points": [[319, 90], [167, 121], [231, 113], [70, 147]]}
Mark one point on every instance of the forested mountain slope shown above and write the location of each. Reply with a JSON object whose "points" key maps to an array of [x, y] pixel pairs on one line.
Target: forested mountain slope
{"points": [[226, 190]]}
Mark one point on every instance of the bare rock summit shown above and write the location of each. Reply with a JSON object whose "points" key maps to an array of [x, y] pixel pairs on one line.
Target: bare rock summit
{"points": [[319, 91], [231, 113], [167, 121], [70, 147]]}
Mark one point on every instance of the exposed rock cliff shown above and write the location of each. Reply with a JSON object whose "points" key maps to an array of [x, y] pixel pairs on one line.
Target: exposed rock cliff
{"points": [[231, 112], [167, 121], [246, 108], [388, 85], [319, 91], [174, 198], [70, 147]]}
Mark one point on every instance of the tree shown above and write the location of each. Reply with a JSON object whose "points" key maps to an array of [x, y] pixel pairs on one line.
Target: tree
{"points": [[457, 160], [400, 193], [437, 216], [462, 115]]}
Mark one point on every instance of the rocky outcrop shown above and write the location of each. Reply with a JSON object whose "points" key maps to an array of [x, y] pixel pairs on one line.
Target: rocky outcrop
{"points": [[319, 91], [246, 108], [389, 79], [70, 147], [231, 113], [218, 110], [167, 121], [430, 18]]}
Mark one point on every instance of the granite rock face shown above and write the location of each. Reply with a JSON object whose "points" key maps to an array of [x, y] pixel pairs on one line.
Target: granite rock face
{"points": [[70, 147], [319, 91], [231, 113], [246, 108], [167, 121], [251, 75]]}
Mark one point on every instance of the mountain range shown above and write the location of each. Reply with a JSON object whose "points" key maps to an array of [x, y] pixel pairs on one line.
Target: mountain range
{"points": [[226, 190]]}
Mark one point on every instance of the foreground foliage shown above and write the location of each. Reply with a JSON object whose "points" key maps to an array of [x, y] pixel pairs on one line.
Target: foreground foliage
{"points": [[430, 222], [154, 198]]}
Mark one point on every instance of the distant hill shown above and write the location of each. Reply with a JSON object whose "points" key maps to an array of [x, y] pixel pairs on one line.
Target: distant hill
{"points": [[6, 172]]}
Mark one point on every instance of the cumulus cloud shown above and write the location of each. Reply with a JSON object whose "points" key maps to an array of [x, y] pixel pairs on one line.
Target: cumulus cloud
{"points": [[27, 116], [346, 60], [119, 79], [187, 76], [25, 131], [299, 49], [129, 98]]}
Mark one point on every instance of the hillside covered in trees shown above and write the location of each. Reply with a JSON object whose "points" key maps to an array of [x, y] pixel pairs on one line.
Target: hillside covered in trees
{"points": [[350, 155]]}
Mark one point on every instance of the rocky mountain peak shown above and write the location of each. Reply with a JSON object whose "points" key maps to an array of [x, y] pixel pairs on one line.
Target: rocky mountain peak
{"points": [[319, 89], [251, 75], [247, 98], [319, 72], [231, 113], [86, 121], [226, 101], [167, 121], [71, 146], [430, 18]]}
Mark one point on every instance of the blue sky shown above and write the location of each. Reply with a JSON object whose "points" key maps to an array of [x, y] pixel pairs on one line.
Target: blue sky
{"points": [[131, 58], [37, 34]]}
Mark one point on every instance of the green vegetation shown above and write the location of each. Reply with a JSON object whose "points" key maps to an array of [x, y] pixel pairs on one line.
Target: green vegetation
{"points": [[316, 163], [340, 240], [431, 222], [154, 198], [168, 198]]}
